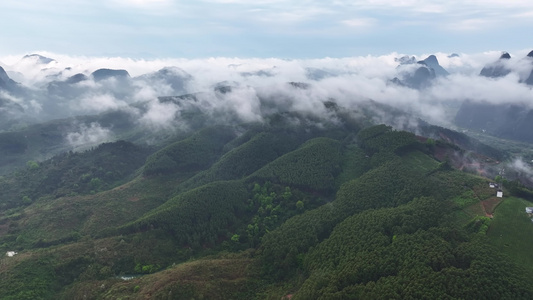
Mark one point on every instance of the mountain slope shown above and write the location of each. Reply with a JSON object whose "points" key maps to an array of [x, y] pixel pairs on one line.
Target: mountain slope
{"points": [[509, 121], [315, 164], [312, 212], [497, 68]]}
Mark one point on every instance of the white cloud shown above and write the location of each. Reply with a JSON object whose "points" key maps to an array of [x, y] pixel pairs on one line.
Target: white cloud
{"points": [[478, 88], [8, 96], [244, 102], [349, 80], [472, 24], [87, 136], [98, 103], [34, 107], [522, 168], [159, 115]]}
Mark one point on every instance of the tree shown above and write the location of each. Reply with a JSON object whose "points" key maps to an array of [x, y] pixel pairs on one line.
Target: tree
{"points": [[95, 183], [235, 238], [32, 165], [300, 205], [26, 200], [287, 194]]}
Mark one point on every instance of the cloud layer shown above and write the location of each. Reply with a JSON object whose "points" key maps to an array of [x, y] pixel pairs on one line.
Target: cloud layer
{"points": [[166, 95], [64, 87]]}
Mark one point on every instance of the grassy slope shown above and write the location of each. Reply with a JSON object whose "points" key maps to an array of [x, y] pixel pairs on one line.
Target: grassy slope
{"points": [[421, 161], [99, 169], [511, 230], [53, 220]]}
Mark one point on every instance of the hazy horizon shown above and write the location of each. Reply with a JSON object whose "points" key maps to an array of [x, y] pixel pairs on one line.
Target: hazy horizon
{"points": [[261, 29], [350, 81]]}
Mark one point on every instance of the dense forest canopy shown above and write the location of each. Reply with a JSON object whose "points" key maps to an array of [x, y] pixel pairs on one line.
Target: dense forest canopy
{"points": [[260, 211]]}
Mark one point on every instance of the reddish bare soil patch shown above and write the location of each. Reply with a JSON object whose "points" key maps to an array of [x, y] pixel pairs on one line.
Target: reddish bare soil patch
{"points": [[441, 153], [464, 161], [485, 207], [490, 204]]}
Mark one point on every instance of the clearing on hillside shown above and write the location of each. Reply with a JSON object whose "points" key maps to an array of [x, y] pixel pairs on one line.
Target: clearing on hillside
{"points": [[511, 231]]}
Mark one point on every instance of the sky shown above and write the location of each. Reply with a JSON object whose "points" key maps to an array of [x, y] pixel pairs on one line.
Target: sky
{"points": [[287, 29]]}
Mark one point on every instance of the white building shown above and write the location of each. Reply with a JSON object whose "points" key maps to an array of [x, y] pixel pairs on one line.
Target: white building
{"points": [[11, 253]]}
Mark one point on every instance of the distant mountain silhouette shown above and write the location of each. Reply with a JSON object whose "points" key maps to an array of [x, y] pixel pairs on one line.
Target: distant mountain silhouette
{"points": [[6, 83], [102, 74], [509, 121], [529, 80], [497, 68], [406, 60], [175, 77], [300, 85], [422, 76], [260, 73], [317, 74], [418, 79], [76, 78], [39, 58], [426, 70], [66, 88], [432, 62]]}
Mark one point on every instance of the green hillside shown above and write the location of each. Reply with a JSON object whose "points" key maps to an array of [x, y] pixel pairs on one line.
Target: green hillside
{"points": [[406, 252], [263, 211], [200, 216], [314, 165], [38, 142], [244, 159], [511, 230], [71, 174], [194, 153]]}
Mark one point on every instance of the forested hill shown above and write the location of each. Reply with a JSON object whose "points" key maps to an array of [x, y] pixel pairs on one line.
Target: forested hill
{"points": [[287, 209]]}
